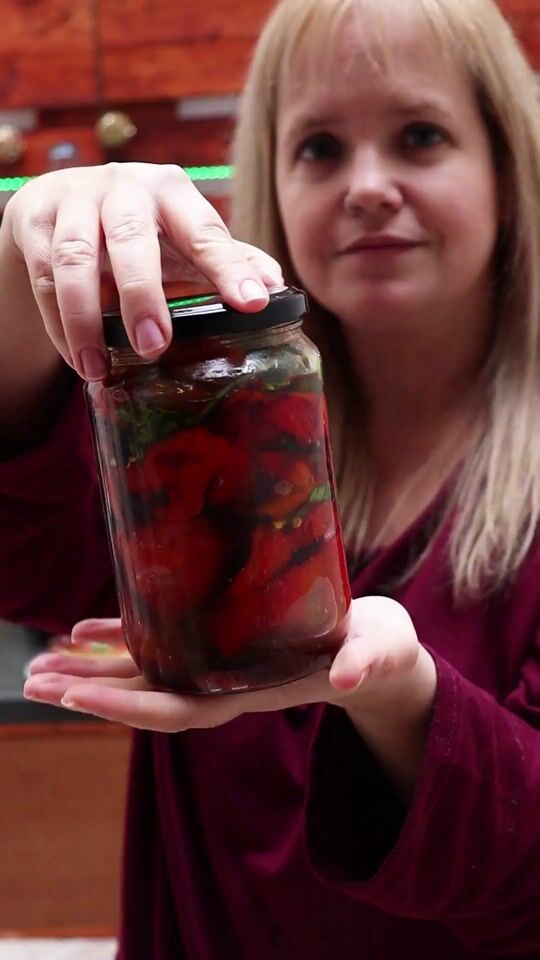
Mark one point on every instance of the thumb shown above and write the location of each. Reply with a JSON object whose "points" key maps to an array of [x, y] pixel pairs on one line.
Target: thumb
{"points": [[381, 641]]}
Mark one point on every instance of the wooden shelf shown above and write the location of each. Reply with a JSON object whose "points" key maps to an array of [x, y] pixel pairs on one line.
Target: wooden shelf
{"points": [[61, 810], [62, 795]]}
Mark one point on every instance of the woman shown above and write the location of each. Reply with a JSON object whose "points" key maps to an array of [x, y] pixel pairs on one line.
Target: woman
{"points": [[390, 152]]}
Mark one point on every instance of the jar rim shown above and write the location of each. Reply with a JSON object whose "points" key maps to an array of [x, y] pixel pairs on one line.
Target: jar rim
{"points": [[208, 316]]}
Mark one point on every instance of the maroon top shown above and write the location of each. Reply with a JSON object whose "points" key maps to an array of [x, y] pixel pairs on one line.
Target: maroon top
{"points": [[276, 836]]}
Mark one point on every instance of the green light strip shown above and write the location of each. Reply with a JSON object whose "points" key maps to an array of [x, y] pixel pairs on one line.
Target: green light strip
{"points": [[209, 173], [197, 174], [13, 183], [189, 301]]}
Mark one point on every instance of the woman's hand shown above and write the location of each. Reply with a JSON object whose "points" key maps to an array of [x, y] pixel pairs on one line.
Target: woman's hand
{"points": [[380, 671], [143, 224], [382, 677]]}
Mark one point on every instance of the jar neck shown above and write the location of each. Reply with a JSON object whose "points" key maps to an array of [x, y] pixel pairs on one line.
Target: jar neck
{"points": [[193, 350]]}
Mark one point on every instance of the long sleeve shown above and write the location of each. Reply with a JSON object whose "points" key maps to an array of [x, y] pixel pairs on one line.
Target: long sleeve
{"points": [[467, 852], [55, 566]]}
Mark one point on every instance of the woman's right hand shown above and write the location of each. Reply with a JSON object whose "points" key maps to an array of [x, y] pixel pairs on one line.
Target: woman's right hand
{"points": [[142, 223]]}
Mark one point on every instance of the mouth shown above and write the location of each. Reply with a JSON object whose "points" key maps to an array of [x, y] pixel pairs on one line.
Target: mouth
{"points": [[381, 245]]}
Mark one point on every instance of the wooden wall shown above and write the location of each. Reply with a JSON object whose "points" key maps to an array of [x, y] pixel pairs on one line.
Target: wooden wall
{"points": [[172, 49], [525, 18], [71, 60], [47, 53], [57, 53]]}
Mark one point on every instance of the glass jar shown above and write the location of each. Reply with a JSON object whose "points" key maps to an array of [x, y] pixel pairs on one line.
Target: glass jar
{"points": [[217, 480]]}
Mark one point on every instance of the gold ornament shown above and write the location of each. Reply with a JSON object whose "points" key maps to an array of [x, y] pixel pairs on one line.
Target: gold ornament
{"points": [[115, 129], [11, 143]]}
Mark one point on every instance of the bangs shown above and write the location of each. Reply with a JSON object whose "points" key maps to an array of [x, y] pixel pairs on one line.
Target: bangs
{"points": [[321, 31]]}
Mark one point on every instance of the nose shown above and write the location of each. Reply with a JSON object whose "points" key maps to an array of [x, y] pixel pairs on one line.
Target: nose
{"points": [[371, 185]]}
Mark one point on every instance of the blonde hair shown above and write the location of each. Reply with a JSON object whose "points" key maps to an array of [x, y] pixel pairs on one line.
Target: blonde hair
{"points": [[496, 500]]}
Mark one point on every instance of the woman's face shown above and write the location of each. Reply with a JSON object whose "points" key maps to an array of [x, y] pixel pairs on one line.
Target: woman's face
{"points": [[386, 184]]}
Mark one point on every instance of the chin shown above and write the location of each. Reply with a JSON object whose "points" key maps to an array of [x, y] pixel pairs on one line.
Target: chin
{"points": [[383, 307]]}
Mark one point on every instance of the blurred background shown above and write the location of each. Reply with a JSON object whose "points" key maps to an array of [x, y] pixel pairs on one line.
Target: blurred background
{"points": [[84, 82]]}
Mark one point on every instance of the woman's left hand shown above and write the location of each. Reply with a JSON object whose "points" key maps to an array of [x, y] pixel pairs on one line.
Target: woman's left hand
{"points": [[380, 667]]}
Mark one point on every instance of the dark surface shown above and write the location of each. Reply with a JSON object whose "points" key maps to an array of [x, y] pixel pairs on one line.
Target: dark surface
{"points": [[213, 318], [18, 645]]}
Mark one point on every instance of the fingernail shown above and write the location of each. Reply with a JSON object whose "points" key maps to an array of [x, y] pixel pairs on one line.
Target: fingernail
{"points": [[72, 705], [148, 336], [251, 290], [46, 663], [38, 695], [93, 363]]}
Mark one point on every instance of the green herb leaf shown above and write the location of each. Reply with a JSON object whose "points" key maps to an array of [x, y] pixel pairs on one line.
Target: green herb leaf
{"points": [[320, 494], [145, 425]]}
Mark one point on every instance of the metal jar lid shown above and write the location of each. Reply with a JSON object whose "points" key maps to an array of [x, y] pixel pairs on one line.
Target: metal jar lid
{"points": [[208, 316]]}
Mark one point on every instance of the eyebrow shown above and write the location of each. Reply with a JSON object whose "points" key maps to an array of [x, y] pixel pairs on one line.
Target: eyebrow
{"points": [[311, 121], [420, 106]]}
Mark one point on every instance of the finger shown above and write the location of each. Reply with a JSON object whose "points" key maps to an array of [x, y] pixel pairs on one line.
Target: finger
{"points": [[129, 223], [75, 258], [36, 246], [148, 710], [176, 267], [83, 666], [143, 709], [171, 713], [352, 663], [52, 687], [381, 641], [203, 238], [350, 668], [108, 633], [101, 630], [266, 266]]}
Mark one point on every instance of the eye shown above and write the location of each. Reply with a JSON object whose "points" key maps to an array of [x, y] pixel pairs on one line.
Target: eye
{"points": [[321, 147], [424, 136]]}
